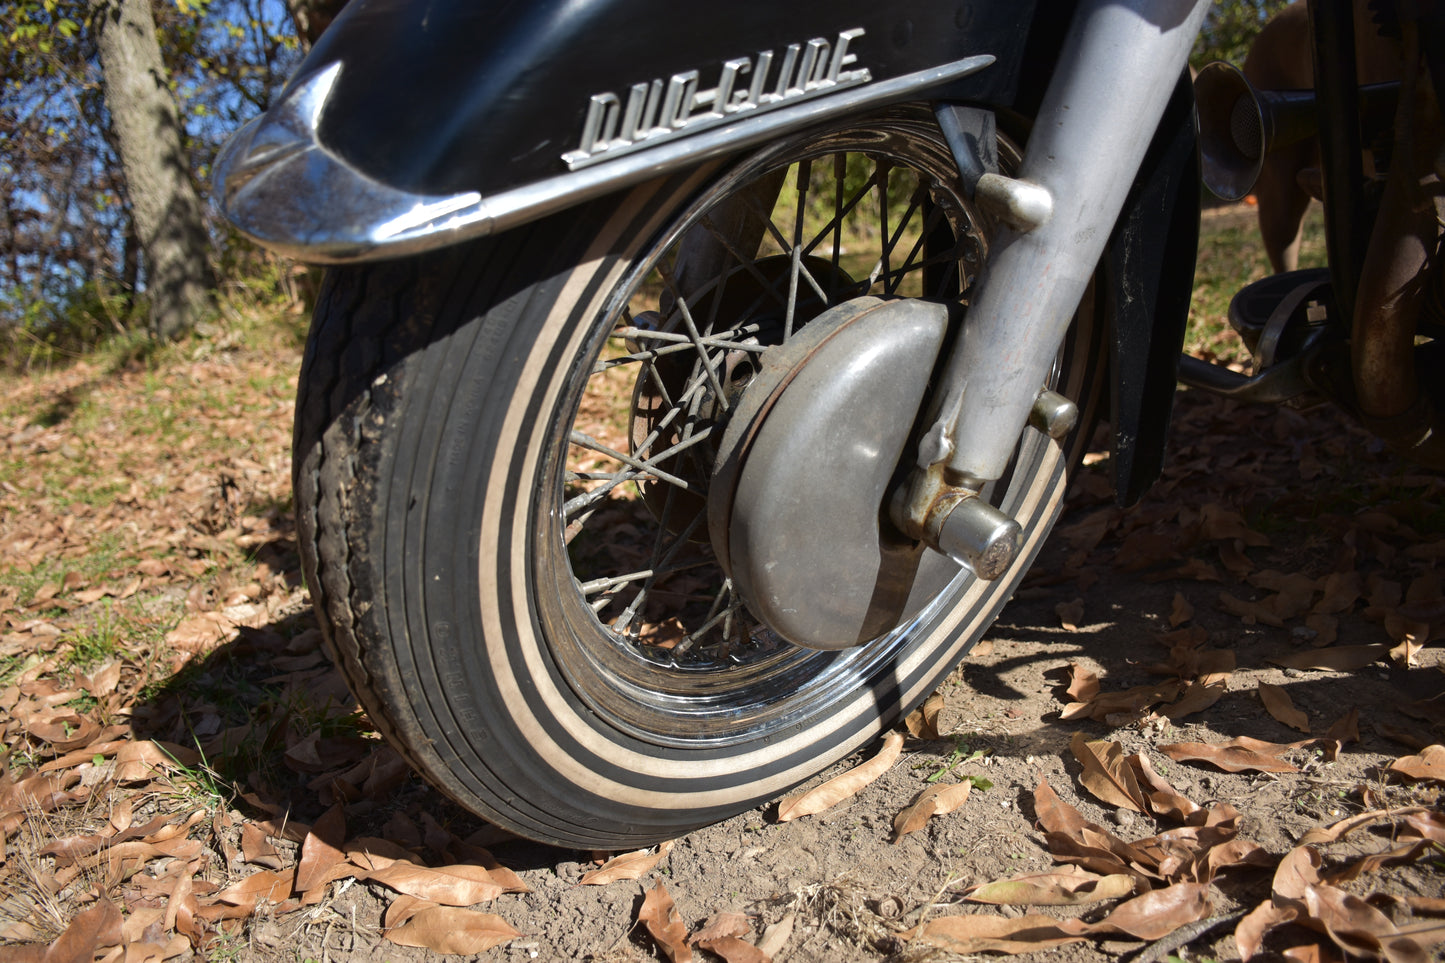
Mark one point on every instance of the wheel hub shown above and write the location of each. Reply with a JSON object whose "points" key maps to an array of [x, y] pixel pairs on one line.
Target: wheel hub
{"points": [[752, 301], [797, 506]]}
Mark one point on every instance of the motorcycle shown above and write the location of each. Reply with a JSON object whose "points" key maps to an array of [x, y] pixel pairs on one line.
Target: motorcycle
{"points": [[687, 397]]}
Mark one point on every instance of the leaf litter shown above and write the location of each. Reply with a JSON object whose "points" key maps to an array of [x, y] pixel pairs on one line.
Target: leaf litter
{"points": [[109, 763]]}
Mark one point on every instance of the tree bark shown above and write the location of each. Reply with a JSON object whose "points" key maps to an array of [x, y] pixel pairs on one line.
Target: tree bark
{"points": [[164, 205], [312, 17]]}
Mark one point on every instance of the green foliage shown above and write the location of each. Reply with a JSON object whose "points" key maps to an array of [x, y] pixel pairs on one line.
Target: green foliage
{"points": [[70, 265], [1230, 27], [45, 332]]}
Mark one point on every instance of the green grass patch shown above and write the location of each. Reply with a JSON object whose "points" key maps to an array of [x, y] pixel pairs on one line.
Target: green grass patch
{"points": [[107, 557], [1231, 256]]}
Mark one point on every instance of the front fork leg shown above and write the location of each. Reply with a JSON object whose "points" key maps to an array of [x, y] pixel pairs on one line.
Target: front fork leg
{"points": [[1113, 80]]}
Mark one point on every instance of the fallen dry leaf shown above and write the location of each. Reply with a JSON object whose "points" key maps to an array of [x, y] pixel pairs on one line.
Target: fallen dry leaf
{"points": [[1106, 774], [459, 885], [1341, 592], [1106, 704], [1426, 905], [723, 934], [1249, 612], [626, 866], [1357, 927], [659, 914], [1249, 934], [1338, 830], [1070, 614], [273, 885], [1214, 668], [992, 934], [1428, 825], [91, 930], [1409, 647], [936, 800], [922, 722], [1238, 755], [1325, 627], [1312, 953], [776, 936], [1180, 612], [1164, 799], [143, 759], [735, 950], [321, 852], [723, 924], [1067, 887], [1339, 658], [1083, 684], [1346, 728], [839, 788], [1429, 764], [452, 930], [1153, 915], [1278, 704], [1221, 523], [256, 848]]}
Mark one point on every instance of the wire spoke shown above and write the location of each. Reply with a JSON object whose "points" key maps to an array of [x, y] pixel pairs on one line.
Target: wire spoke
{"points": [[914, 202], [682, 340], [644, 468], [704, 358], [840, 176], [599, 584], [741, 278], [796, 254], [624, 620], [748, 264], [841, 210], [782, 242]]}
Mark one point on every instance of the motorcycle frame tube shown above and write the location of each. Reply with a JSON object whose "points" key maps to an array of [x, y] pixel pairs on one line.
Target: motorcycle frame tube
{"points": [[1088, 143]]}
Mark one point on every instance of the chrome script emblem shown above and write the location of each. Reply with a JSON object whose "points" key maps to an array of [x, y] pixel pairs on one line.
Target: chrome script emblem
{"points": [[664, 109]]}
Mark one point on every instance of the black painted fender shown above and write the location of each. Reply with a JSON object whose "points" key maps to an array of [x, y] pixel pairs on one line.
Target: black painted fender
{"points": [[1148, 272], [434, 105], [441, 96]]}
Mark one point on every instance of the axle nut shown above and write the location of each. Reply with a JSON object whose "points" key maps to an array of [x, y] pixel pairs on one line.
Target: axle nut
{"points": [[980, 537]]}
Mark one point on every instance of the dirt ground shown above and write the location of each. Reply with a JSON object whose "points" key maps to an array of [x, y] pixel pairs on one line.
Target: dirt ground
{"points": [[1330, 502], [1274, 535]]}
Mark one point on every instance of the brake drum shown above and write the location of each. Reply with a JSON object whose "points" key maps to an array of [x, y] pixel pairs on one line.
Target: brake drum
{"points": [[797, 508]]}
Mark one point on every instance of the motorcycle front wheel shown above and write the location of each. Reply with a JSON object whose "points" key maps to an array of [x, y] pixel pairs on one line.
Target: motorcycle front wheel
{"points": [[503, 454]]}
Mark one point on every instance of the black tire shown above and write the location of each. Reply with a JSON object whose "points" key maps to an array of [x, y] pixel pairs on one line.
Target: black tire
{"points": [[437, 450]]}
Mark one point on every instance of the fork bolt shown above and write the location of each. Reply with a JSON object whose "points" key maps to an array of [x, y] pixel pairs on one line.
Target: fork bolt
{"points": [[1053, 414]]}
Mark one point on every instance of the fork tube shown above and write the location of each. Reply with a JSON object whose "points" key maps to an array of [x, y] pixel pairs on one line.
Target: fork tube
{"points": [[1118, 68]]}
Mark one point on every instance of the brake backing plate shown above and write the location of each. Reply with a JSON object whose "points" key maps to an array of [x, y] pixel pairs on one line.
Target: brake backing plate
{"points": [[797, 507]]}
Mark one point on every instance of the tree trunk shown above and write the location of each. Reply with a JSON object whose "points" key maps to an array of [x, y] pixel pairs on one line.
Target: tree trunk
{"points": [[164, 205], [312, 17]]}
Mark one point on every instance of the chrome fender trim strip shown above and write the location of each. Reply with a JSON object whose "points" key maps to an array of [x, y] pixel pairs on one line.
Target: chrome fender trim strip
{"points": [[278, 185]]}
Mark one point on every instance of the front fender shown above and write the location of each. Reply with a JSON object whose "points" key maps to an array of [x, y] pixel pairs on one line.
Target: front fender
{"points": [[416, 123]]}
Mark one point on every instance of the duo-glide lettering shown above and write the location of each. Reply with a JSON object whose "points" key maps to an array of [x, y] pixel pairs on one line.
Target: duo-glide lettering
{"points": [[662, 109]]}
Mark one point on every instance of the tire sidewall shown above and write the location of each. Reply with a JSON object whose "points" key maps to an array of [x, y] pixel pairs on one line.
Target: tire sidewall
{"points": [[464, 497]]}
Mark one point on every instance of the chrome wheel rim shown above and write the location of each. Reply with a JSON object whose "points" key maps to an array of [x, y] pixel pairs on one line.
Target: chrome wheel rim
{"points": [[641, 622]]}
